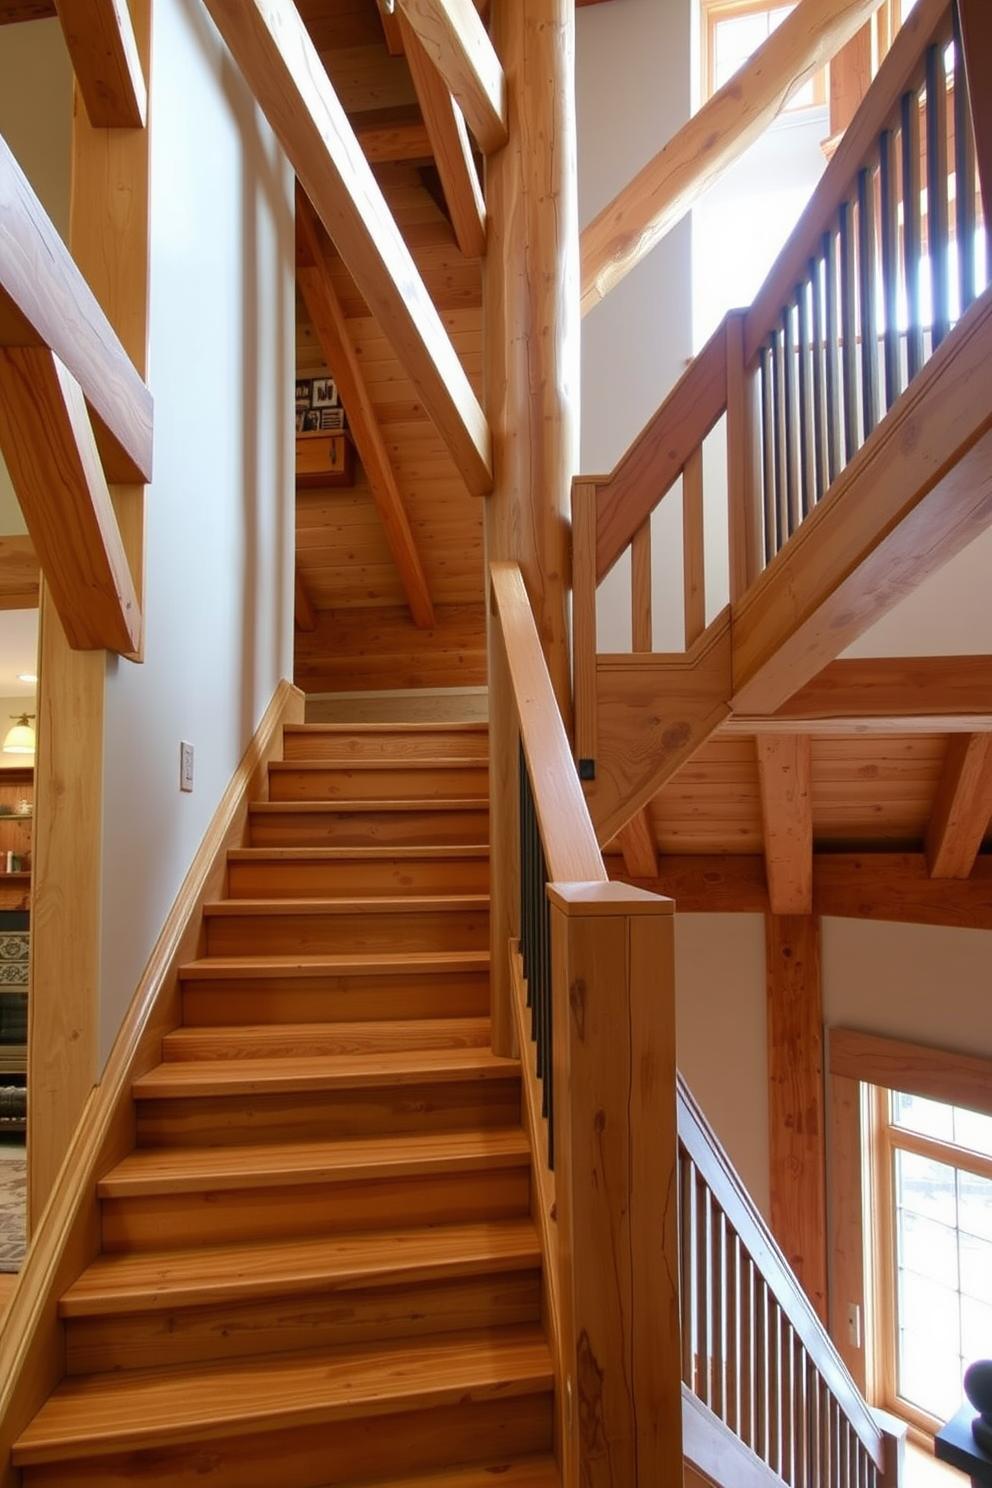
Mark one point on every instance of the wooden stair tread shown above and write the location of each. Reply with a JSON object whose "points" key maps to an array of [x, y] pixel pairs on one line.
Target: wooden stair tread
{"points": [[414, 763], [281, 1039], [160, 1407], [386, 904], [260, 1076], [463, 726], [286, 1164], [371, 964], [392, 803], [443, 853], [523, 1472], [155, 1281]]}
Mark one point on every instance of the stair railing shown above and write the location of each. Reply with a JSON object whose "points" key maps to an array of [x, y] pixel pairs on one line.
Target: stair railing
{"points": [[890, 252], [754, 1352]]}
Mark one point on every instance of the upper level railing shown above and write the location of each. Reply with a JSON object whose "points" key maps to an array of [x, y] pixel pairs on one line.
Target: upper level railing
{"points": [[890, 252]]}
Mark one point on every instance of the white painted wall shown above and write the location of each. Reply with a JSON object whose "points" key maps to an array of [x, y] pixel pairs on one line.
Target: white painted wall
{"points": [[219, 533]]}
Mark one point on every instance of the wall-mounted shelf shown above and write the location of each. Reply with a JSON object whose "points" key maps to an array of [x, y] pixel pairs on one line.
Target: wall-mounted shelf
{"points": [[324, 459]]}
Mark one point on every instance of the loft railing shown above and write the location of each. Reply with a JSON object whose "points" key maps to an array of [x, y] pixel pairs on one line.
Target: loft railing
{"points": [[891, 250]]}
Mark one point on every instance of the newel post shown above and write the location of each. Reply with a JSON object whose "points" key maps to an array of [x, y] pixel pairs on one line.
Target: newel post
{"points": [[616, 1172]]}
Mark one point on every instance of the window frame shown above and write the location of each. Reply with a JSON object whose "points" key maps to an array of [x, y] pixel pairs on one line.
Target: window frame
{"points": [[711, 14]]}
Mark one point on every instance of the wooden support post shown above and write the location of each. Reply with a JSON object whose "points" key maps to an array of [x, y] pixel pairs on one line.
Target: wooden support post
{"points": [[795, 1099], [976, 39], [532, 382], [617, 1171], [743, 479]]}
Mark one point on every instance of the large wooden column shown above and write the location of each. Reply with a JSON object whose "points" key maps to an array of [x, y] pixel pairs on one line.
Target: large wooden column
{"points": [[531, 389]]}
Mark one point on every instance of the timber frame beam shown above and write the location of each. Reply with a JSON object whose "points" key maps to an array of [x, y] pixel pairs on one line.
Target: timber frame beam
{"points": [[99, 36], [270, 44], [457, 44]]}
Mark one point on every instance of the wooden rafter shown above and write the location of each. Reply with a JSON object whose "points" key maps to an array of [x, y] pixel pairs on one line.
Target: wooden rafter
{"points": [[451, 147], [45, 301], [962, 807], [390, 28], [640, 856], [19, 573], [915, 494], [332, 333], [271, 46], [48, 443], [784, 777], [857, 886], [456, 42], [100, 40], [664, 190], [883, 696]]}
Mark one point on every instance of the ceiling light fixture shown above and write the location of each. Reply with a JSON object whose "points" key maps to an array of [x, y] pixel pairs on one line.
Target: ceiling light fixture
{"points": [[20, 739], [26, 677]]}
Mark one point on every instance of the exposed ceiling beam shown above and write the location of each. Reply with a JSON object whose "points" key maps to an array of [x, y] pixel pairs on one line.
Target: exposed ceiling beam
{"points": [[271, 46], [99, 37], [858, 886], [962, 807], [332, 333], [915, 494], [390, 135], [19, 573], [884, 695], [45, 301], [48, 443], [785, 782], [456, 42], [451, 147], [665, 189]]}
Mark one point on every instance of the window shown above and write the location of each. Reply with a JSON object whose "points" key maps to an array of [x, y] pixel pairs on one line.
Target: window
{"points": [[732, 31], [934, 1179]]}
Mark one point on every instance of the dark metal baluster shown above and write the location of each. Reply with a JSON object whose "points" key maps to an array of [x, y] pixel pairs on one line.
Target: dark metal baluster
{"points": [[937, 232], [890, 262], [912, 230], [790, 431], [964, 175], [781, 455], [806, 479], [866, 300], [767, 450], [848, 328], [831, 352], [819, 416]]}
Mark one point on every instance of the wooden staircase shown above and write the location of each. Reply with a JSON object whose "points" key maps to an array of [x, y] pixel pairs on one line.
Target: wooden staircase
{"points": [[318, 1264]]}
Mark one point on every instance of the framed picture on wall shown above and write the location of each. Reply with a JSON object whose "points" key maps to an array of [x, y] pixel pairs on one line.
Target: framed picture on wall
{"points": [[325, 393]]}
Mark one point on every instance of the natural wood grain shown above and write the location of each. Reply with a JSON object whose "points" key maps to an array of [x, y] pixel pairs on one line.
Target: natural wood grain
{"points": [[256, 873], [885, 695], [99, 37], [664, 190], [584, 617], [361, 650], [388, 135], [693, 549], [641, 609], [455, 40], [566, 832], [716, 884], [847, 1233], [272, 48], [656, 458], [743, 477], [898, 886], [329, 322], [450, 146], [19, 574], [304, 617], [51, 454], [640, 856], [715, 1454], [45, 301], [914, 494], [962, 807], [616, 1140], [784, 774], [796, 1117], [945, 1075], [368, 780]]}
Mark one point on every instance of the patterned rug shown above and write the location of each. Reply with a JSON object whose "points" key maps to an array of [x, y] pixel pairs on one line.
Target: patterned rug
{"points": [[13, 1198]]}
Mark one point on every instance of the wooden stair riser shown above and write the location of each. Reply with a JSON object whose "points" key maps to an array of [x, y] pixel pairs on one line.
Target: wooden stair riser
{"points": [[285, 999], [396, 929], [313, 741], [363, 1450], [308, 1040], [301, 780], [287, 825], [303, 1321], [208, 1121], [225, 1217], [280, 876]]}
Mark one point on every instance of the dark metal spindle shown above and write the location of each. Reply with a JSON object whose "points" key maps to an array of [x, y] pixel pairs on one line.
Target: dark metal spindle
{"points": [[806, 491], [819, 417], [937, 231], [912, 230], [889, 205], [790, 433], [535, 943], [767, 452], [866, 300], [849, 334], [831, 351], [781, 452]]}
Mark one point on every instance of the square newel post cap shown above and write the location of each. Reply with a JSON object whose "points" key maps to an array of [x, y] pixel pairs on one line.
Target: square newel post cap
{"points": [[608, 897]]}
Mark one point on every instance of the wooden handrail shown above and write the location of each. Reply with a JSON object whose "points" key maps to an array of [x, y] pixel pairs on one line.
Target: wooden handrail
{"points": [[714, 1167], [921, 26], [570, 845]]}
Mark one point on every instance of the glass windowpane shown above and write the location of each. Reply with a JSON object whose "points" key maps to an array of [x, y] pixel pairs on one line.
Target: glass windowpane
{"points": [[973, 1130]]}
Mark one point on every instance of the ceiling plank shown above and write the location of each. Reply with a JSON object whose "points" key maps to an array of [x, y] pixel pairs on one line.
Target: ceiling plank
{"points": [[451, 147], [915, 494], [99, 37], [332, 333], [856, 886], [282, 68], [665, 189], [45, 301], [19, 573], [50, 449], [884, 695], [640, 856], [785, 779], [388, 136], [456, 42], [962, 807], [303, 611]]}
